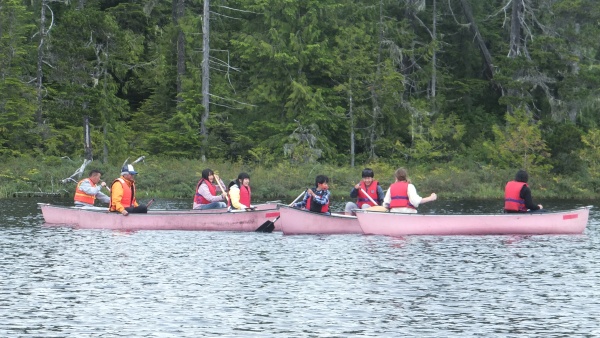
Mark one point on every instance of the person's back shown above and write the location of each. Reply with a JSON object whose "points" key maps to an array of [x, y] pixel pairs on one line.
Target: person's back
{"points": [[517, 195]]}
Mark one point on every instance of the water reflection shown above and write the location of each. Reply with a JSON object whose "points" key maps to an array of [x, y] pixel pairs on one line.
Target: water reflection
{"points": [[66, 282]]}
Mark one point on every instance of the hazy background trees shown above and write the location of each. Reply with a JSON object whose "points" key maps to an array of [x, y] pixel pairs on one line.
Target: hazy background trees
{"points": [[505, 83]]}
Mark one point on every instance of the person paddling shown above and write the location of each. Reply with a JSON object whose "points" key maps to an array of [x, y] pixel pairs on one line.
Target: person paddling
{"points": [[317, 200], [402, 195], [88, 190], [122, 196], [206, 192], [240, 193], [365, 192], [517, 195]]}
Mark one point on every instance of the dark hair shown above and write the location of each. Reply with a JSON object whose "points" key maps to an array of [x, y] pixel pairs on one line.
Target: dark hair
{"points": [[321, 179], [95, 171], [521, 176], [206, 173], [239, 180], [368, 172]]}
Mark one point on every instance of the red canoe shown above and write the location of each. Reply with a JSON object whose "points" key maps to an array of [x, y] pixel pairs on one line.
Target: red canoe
{"points": [[214, 220], [397, 224], [295, 222]]}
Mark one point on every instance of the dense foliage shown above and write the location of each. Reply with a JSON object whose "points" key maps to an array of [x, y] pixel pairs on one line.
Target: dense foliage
{"points": [[499, 83]]}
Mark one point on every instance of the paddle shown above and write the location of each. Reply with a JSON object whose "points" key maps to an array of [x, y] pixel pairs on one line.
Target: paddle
{"points": [[222, 189], [267, 226], [375, 207], [297, 198]]}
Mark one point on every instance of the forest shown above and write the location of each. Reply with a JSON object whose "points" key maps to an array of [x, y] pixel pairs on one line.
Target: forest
{"points": [[503, 84]]}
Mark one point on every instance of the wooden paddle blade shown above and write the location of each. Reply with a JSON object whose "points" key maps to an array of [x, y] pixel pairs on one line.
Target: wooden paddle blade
{"points": [[377, 208]]}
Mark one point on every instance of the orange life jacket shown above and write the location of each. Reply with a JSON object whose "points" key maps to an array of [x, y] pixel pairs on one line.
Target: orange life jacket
{"points": [[316, 207], [512, 198], [81, 196], [372, 191], [199, 199], [399, 193], [128, 199]]}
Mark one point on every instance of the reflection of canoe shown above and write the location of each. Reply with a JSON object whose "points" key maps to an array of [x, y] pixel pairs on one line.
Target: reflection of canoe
{"points": [[215, 220], [295, 221], [396, 224]]}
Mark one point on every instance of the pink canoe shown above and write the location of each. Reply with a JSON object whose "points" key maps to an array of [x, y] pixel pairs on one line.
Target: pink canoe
{"points": [[212, 220], [295, 222], [397, 224]]}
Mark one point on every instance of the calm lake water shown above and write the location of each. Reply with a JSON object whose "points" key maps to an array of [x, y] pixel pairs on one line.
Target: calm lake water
{"points": [[60, 282]]}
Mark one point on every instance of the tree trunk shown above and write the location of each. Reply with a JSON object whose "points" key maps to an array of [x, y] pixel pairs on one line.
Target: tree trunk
{"points": [[434, 60], [487, 57], [205, 77], [515, 29], [178, 12], [40, 60], [352, 131], [374, 94], [87, 139]]}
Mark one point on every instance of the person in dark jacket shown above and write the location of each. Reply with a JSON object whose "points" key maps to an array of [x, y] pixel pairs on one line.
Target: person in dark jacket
{"points": [[517, 195]]}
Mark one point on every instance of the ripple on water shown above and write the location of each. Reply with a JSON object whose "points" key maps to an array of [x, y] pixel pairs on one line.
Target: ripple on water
{"points": [[63, 282]]}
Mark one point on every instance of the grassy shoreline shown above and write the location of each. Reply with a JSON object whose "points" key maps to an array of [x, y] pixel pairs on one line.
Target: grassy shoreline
{"points": [[176, 178]]}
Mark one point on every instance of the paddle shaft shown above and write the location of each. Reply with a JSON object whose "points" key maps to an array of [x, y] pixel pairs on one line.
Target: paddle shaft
{"points": [[371, 199], [218, 179], [297, 198]]}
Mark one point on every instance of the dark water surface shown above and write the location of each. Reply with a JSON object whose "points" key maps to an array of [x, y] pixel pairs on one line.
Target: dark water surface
{"points": [[60, 282]]}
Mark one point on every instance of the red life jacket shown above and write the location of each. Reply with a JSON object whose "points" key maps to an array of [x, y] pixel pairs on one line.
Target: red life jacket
{"points": [[199, 199], [128, 199], [245, 195], [512, 200], [81, 196], [316, 207], [372, 191], [399, 193]]}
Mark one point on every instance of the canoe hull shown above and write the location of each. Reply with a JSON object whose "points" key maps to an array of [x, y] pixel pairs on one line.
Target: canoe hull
{"points": [[396, 224], [192, 220], [301, 222]]}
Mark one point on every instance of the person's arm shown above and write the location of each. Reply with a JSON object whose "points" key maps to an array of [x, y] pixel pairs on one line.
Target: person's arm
{"points": [[387, 199], [205, 192], [117, 196], [322, 198], [380, 195], [354, 192], [303, 203], [87, 188], [525, 194], [416, 200], [413, 196], [102, 198]]}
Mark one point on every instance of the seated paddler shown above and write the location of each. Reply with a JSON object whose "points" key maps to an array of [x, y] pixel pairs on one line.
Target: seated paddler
{"points": [[317, 199], [240, 193], [517, 195], [402, 195], [366, 192], [88, 190], [122, 196], [209, 192]]}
